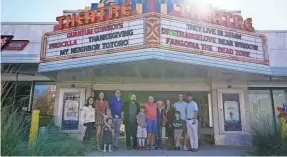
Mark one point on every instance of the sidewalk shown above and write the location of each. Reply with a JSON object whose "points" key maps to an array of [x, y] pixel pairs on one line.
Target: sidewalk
{"points": [[208, 150]]}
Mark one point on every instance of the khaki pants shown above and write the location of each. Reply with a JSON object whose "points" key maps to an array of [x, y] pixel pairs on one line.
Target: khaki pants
{"points": [[192, 131]]}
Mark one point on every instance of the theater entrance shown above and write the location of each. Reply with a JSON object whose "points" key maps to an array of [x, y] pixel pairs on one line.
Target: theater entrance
{"points": [[201, 97]]}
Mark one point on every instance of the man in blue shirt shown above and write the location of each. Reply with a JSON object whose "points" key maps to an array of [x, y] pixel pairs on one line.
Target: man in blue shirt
{"points": [[115, 104], [191, 122], [180, 106]]}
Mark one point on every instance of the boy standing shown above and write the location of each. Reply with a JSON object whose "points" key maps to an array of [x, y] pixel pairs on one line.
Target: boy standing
{"points": [[178, 125], [150, 109], [141, 130]]}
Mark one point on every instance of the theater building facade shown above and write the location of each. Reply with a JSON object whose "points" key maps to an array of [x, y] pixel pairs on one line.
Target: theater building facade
{"points": [[235, 72]]}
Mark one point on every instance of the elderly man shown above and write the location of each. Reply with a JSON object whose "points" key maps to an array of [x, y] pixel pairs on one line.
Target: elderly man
{"points": [[191, 121], [160, 113], [115, 104], [131, 109], [180, 106]]}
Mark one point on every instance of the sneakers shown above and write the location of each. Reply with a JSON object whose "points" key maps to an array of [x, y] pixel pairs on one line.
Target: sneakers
{"points": [[185, 148], [160, 148], [151, 148], [115, 148], [194, 150], [178, 148], [141, 148]]}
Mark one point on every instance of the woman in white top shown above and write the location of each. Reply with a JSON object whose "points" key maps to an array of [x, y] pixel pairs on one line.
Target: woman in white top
{"points": [[88, 118]]}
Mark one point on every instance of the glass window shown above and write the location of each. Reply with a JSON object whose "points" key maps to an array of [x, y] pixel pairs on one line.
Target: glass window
{"points": [[16, 92], [260, 107], [44, 97], [280, 98]]}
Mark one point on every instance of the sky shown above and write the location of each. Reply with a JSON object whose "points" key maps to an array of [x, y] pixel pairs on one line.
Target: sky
{"points": [[266, 14]]}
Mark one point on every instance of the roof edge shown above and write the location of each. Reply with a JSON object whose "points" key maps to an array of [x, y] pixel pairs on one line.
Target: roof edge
{"points": [[29, 23], [271, 31]]}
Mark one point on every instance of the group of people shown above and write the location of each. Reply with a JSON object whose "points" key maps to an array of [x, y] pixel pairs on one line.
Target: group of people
{"points": [[142, 123]]}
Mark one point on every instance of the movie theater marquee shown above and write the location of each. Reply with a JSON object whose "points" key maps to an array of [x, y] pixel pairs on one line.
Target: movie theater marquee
{"points": [[95, 38], [211, 39]]}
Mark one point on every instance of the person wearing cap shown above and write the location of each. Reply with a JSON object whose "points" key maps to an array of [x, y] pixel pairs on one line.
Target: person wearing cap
{"points": [[192, 122], [180, 106]]}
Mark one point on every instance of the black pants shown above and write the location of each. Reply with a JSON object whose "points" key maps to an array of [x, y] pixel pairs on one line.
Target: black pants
{"points": [[89, 131], [131, 131]]}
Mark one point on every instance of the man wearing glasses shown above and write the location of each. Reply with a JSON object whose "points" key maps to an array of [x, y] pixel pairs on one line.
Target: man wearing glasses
{"points": [[115, 104]]}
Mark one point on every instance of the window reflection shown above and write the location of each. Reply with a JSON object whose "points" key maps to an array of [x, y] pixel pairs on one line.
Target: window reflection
{"points": [[44, 98], [280, 98], [260, 107]]}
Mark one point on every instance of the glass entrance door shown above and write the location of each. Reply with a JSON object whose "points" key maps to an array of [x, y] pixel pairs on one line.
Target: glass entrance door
{"points": [[231, 111], [72, 100]]}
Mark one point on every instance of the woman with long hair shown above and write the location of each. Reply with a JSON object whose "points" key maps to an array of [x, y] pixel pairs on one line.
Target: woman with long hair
{"points": [[88, 118], [101, 106], [169, 115]]}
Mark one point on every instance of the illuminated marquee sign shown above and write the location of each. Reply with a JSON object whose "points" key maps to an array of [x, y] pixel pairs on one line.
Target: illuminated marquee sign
{"points": [[112, 9], [211, 39], [96, 38], [93, 16]]}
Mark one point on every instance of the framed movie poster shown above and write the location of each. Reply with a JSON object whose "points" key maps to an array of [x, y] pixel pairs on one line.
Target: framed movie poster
{"points": [[71, 109], [231, 111]]}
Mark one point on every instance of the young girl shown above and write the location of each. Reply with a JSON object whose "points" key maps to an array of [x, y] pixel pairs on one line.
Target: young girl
{"points": [[107, 115], [141, 130], [177, 124], [108, 135], [88, 118]]}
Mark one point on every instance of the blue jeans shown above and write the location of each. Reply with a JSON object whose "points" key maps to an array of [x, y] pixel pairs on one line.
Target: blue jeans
{"points": [[158, 136], [116, 126]]}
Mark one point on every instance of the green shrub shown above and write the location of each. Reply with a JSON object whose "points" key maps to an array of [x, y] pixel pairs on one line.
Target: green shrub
{"points": [[15, 130], [46, 121], [267, 139], [15, 127]]}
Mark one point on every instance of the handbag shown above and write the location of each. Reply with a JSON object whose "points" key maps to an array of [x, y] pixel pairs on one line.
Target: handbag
{"points": [[164, 120]]}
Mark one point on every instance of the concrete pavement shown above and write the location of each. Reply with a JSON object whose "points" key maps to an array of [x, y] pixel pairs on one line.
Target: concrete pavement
{"points": [[207, 150]]}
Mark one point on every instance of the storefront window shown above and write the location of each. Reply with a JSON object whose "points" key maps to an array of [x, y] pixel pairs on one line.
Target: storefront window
{"points": [[44, 97], [231, 107], [260, 108], [280, 99]]}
